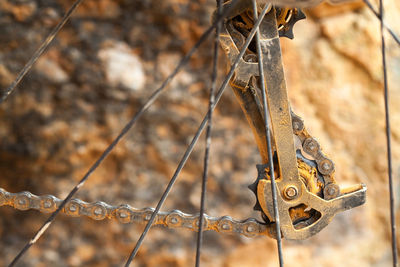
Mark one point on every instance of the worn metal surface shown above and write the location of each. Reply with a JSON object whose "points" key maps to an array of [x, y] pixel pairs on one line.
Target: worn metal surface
{"points": [[311, 209], [325, 209], [307, 203]]}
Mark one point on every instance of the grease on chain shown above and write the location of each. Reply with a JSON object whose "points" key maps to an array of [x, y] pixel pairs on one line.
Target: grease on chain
{"points": [[126, 214]]}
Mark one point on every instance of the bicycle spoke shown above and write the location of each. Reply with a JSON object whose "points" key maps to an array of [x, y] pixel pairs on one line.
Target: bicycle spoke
{"points": [[391, 32], [123, 132], [388, 141], [5, 93], [208, 138], [195, 139], [268, 137]]}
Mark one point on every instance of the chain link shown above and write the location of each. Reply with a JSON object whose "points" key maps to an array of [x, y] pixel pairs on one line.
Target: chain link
{"points": [[127, 214], [311, 146]]}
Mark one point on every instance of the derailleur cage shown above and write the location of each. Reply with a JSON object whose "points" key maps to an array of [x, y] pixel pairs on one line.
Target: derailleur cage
{"points": [[308, 196]]}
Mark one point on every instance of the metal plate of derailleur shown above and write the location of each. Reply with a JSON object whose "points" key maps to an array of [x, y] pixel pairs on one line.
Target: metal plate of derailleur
{"points": [[308, 195]]}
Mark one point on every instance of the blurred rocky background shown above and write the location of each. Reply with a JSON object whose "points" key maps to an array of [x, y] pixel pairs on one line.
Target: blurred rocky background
{"points": [[110, 57]]}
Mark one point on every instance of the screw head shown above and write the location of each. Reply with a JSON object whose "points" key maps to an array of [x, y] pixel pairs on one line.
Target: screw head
{"points": [[291, 192]]}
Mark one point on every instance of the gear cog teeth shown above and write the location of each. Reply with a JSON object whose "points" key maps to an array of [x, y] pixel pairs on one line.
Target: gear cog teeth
{"points": [[287, 33], [300, 15], [261, 172], [287, 30], [253, 187], [257, 206]]}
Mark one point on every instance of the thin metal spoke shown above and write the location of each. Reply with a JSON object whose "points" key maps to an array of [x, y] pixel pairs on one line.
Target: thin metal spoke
{"points": [[269, 142], [123, 132], [194, 140], [391, 32], [388, 141], [208, 138], [6, 92]]}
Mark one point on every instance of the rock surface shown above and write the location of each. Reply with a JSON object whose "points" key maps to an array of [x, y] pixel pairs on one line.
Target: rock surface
{"points": [[98, 72]]}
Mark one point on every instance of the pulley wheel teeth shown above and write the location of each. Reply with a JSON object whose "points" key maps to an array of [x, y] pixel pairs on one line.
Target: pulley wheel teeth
{"points": [[287, 33], [300, 15], [257, 206], [253, 187], [261, 171], [287, 30]]}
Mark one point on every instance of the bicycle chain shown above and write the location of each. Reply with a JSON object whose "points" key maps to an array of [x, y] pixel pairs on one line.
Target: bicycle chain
{"points": [[124, 213], [325, 166]]}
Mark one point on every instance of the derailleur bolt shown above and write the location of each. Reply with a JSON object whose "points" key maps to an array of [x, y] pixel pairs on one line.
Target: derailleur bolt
{"points": [[291, 192]]}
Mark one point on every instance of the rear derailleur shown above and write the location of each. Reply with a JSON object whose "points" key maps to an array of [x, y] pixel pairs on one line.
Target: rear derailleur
{"points": [[308, 196]]}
